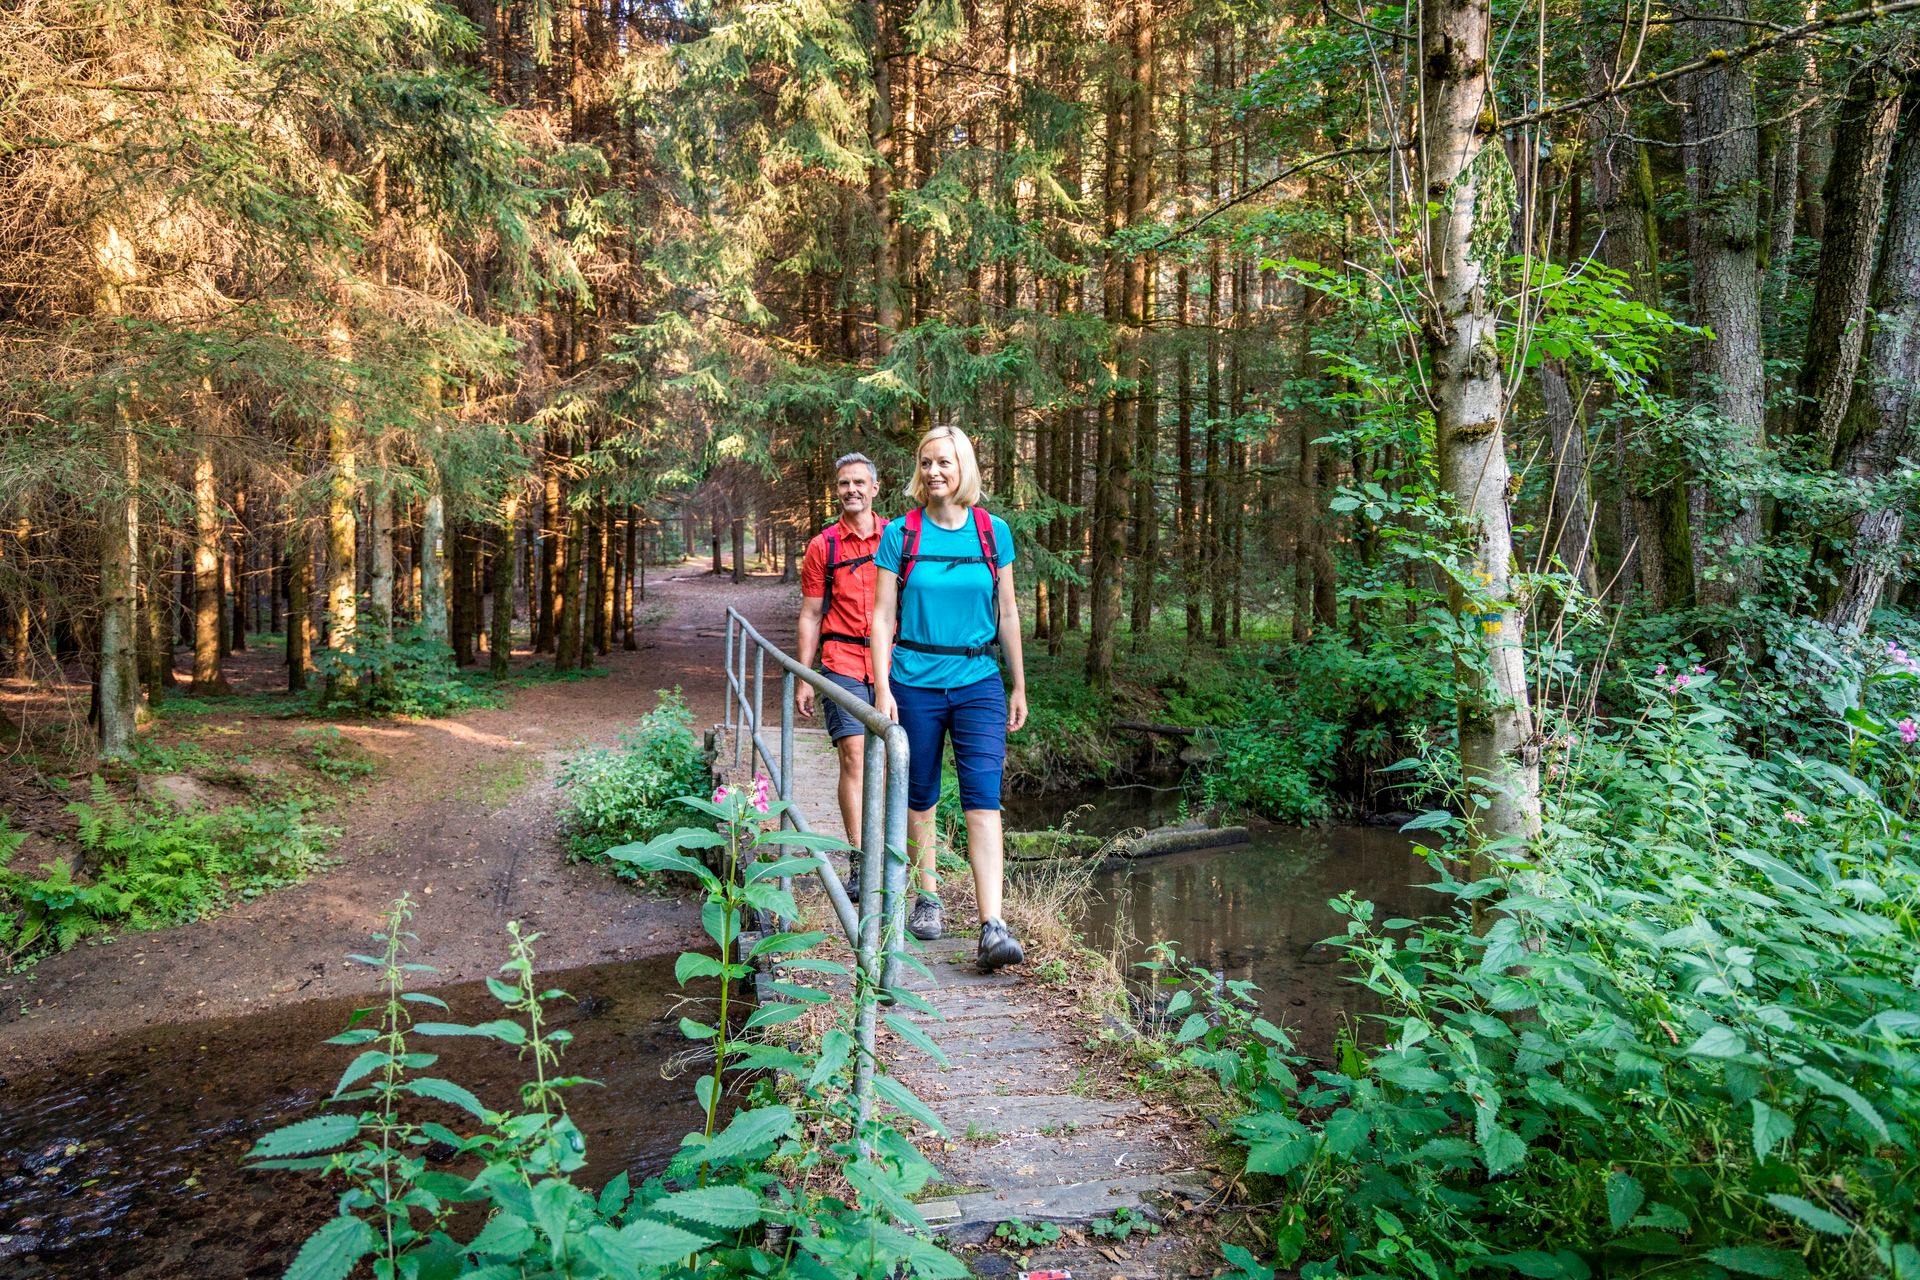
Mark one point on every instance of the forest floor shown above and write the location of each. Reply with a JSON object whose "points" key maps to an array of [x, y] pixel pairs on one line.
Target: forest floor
{"points": [[461, 814]]}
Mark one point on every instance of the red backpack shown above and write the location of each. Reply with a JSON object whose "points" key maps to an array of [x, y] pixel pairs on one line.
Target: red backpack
{"points": [[832, 533], [989, 556]]}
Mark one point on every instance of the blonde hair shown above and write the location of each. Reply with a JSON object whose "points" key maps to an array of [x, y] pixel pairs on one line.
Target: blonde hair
{"points": [[969, 490]]}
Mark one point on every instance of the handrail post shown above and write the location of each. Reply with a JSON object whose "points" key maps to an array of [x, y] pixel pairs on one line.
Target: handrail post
{"points": [[899, 869], [759, 690], [740, 692], [786, 764], [733, 624], [872, 860]]}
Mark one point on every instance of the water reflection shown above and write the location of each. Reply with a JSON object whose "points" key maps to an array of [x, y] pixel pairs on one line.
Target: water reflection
{"points": [[1256, 912]]}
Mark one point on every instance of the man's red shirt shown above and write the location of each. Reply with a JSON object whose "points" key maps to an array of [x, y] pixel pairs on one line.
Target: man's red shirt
{"points": [[852, 611]]}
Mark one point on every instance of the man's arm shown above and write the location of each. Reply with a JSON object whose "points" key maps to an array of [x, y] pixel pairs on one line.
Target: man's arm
{"points": [[807, 645]]}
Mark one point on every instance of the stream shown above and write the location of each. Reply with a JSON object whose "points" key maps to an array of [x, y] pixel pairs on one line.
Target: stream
{"points": [[1254, 911], [125, 1161]]}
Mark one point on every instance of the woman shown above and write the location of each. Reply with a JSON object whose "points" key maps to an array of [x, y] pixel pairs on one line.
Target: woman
{"points": [[943, 603]]}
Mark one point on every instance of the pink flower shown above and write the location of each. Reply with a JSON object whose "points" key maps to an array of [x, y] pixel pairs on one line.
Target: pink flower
{"points": [[1680, 682], [1909, 730], [760, 785], [1660, 670], [719, 795], [1699, 671], [1796, 818]]}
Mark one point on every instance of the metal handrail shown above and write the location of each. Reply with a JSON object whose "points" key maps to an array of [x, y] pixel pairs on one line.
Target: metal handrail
{"points": [[876, 930]]}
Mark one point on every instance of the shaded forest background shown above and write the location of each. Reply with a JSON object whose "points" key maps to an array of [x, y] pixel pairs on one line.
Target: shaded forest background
{"points": [[330, 319]]}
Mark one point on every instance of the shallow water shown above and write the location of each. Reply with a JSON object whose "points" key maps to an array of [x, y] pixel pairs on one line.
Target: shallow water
{"points": [[1255, 911], [125, 1161]]}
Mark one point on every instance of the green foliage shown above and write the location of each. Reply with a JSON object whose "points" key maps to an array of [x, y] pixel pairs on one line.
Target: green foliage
{"points": [[1686, 1042], [715, 1212], [146, 868], [1124, 1222], [332, 756], [1306, 721], [620, 795], [1026, 1235], [402, 675]]}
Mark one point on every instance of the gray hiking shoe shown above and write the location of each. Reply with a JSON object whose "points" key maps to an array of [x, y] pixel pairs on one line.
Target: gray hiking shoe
{"points": [[927, 921], [852, 882], [998, 948]]}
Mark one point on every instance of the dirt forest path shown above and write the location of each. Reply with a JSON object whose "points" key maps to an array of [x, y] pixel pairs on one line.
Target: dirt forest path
{"points": [[462, 815]]}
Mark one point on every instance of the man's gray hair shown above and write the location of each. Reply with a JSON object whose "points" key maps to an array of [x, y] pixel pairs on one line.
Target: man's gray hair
{"points": [[848, 459]]}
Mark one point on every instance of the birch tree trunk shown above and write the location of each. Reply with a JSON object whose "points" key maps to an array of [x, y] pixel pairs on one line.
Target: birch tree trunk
{"points": [[1499, 755], [119, 529]]}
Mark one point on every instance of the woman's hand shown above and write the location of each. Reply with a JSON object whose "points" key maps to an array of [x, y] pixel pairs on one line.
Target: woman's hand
{"points": [[1016, 710], [883, 703]]}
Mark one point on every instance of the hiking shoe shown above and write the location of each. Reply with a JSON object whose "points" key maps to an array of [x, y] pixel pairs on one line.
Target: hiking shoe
{"points": [[998, 948], [852, 882], [927, 921]]}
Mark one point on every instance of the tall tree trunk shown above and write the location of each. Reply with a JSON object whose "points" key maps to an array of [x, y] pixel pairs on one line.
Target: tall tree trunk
{"points": [[1140, 306], [570, 653], [1499, 756], [20, 612], [207, 675], [343, 603], [1724, 233], [1836, 328], [461, 564], [1881, 424], [878, 19], [299, 605], [634, 566], [119, 590], [156, 636], [238, 542], [609, 560], [1569, 507], [502, 644]]}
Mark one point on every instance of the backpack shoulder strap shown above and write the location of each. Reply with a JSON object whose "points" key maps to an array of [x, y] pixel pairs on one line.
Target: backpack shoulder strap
{"points": [[833, 554], [910, 542], [983, 525]]}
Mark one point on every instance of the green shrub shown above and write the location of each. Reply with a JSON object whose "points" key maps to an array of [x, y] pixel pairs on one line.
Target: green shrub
{"points": [[1688, 1043], [617, 795], [148, 869], [400, 675]]}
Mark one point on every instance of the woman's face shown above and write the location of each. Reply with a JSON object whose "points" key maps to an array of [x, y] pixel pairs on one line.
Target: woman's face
{"points": [[940, 468]]}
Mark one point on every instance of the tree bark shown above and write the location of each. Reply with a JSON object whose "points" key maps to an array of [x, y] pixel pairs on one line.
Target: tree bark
{"points": [[1499, 756], [1723, 228], [119, 591], [1856, 182], [299, 605], [1880, 426], [1569, 506], [502, 645], [239, 540], [207, 675]]}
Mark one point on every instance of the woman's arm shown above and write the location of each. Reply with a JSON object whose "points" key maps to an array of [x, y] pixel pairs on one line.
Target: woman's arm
{"points": [[886, 602], [1010, 646]]}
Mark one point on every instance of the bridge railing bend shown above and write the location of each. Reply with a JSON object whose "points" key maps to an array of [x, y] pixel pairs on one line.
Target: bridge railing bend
{"points": [[875, 926]]}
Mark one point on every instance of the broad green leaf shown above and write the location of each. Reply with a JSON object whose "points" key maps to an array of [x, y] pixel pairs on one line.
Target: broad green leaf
{"points": [[1717, 1042], [1625, 1195], [903, 1098], [332, 1252], [321, 1133], [1345, 1130], [501, 1029], [783, 943], [1758, 1260], [506, 1235], [695, 964], [749, 1132], [1821, 1220], [1845, 1093], [661, 1244], [1771, 1127], [905, 1028], [1502, 1149], [732, 1208], [449, 1092], [368, 1061]]}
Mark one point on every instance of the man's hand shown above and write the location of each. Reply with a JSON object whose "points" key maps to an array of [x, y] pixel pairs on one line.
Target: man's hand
{"points": [[1016, 710], [803, 698], [883, 703]]}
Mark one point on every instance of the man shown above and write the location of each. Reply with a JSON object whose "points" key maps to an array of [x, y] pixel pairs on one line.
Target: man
{"points": [[836, 613]]}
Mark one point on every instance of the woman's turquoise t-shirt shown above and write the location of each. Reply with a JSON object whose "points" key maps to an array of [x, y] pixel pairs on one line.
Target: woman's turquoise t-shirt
{"points": [[945, 603]]}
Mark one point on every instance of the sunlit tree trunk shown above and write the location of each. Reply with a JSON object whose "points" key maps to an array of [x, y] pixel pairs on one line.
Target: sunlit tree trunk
{"points": [[343, 604], [20, 613], [503, 576], [1884, 417], [299, 604], [1498, 753], [634, 575], [119, 672], [207, 675]]}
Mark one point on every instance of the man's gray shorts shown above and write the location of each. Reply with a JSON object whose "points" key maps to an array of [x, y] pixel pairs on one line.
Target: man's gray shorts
{"points": [[839, 723]]}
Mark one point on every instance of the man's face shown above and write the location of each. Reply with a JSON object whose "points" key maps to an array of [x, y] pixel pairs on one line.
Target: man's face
{"points": [[855, 486]]}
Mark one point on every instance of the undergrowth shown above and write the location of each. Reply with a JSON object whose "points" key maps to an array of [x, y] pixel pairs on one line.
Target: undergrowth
{"points": [[617, 795], [1685, 1042], [144, 867]]}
